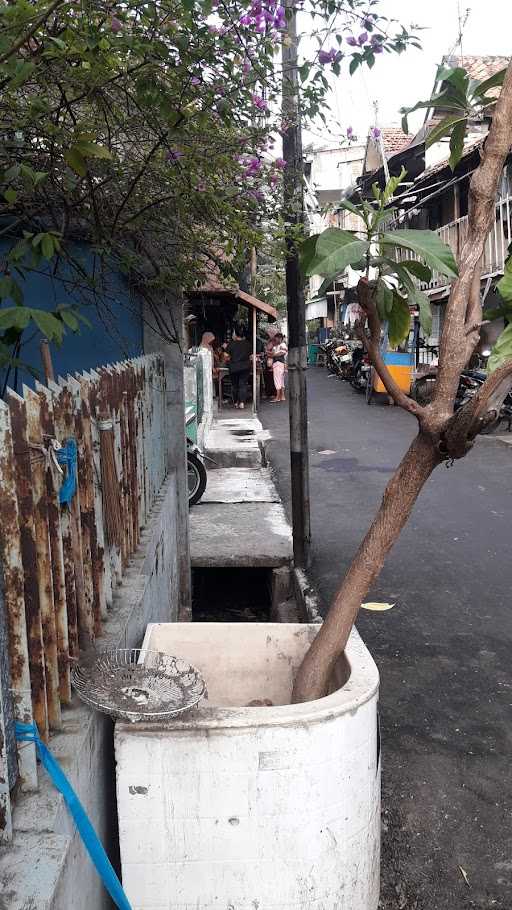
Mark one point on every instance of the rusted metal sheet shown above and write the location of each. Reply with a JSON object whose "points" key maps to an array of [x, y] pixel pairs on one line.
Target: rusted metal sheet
{"points": [[86, 494], [105, 410], [5, 781], [53, 483], [43, 554], [14, 600], [103, 549], [70, 525], [23, 476], [89, 503], [132, 430]]}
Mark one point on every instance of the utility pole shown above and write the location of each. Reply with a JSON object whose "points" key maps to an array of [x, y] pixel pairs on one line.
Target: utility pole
{"points": [[297, 351]]}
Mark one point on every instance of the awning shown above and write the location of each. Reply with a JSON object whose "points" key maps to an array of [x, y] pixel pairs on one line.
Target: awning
{"points": [[235, 295]]}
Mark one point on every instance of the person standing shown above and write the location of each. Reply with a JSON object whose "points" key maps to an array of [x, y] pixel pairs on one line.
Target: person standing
{"points": [[278, 355], [239, 350]]}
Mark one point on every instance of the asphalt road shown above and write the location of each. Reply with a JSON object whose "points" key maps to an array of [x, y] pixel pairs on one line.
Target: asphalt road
{"points": [[444, 652]]}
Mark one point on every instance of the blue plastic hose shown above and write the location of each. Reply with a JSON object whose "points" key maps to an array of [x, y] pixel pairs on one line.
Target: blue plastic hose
{"points": [[29, 733]]}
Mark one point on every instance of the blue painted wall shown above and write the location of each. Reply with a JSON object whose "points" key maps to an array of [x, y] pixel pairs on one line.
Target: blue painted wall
{"points": [[115, 313]]}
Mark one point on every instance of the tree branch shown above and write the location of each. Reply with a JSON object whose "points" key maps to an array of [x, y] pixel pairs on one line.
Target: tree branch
{"points": [[28, 35], [462, 305], [366, 291]]}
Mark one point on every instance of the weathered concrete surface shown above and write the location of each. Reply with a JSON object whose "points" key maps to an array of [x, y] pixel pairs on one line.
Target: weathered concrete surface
{"points": [[443, 651], [240, 485], [234, 442], [46, 867], [240, 534]]}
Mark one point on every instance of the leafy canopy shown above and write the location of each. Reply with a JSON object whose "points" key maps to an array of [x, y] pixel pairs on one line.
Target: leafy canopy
{"points": [[397, 260], [148, 131]]}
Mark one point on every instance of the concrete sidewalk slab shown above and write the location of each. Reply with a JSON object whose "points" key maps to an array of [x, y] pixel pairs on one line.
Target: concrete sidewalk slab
{"points": [[245, 534], [240, 485], [235, 442]]}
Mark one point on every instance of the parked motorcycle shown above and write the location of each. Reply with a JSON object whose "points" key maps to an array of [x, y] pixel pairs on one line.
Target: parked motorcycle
{"points": [[422, 390], [361, 369], [196, 473]]}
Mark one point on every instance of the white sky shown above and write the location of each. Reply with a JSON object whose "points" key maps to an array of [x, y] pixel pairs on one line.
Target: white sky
{"points": [[403, 80]]}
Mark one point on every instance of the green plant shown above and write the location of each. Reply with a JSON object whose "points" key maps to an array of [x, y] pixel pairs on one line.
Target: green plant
{"points": [[146, 131], [386, 256], [443, 436]]}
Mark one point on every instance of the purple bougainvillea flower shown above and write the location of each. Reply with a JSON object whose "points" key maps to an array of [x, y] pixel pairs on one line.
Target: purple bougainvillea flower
{"points": [[257, 195], [352, 41], [246, 69], [116, 24], [363, 38], [280, 163], [376, 132], [331, 56], [350, 132], [259, 102], [195, 80], [273, 179], [246, 20], [174, 155]]}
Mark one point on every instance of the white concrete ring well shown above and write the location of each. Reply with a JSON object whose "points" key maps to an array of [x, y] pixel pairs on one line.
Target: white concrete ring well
{"points": [[253, 808]]}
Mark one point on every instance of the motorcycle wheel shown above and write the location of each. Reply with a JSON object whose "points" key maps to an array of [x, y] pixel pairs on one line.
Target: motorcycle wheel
{"points": [[197, 478], [423, 389]]}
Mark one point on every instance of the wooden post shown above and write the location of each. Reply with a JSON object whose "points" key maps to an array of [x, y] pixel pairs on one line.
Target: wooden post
{"points": [[46, 357], [297, 349]]}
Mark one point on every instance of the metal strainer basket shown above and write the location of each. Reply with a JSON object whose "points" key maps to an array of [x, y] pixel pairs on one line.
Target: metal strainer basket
{"points": [[138, 685]]}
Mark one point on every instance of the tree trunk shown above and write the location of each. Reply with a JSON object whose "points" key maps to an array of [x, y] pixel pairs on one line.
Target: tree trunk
{"points": [[399, 497], [442, 435]]}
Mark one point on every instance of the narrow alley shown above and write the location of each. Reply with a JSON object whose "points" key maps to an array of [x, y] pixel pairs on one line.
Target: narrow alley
{"points": [[443, 652]]}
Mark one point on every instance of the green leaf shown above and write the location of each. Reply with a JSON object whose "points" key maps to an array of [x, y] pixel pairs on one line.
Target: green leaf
{"points": [[423, 304], [384, 300], [47, 246], [420, 271], [502, 350], [70, 320], [308, 252], [76, 161], [496, 80], [504, 286], [14, 317], [335, 250], [392, 185], [21, 74], [426, 244], [457, 143], [10, 196], [443, 129], [399, 321], [48, 324], [350, 207], [92, 149], [354, 63]]}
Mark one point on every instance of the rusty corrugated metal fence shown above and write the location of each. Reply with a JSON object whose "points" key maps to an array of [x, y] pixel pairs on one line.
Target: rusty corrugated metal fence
{"points": [[59, 571]]}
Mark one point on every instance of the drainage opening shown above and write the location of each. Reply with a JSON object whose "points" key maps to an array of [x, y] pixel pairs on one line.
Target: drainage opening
{"points": [[231, 595]]}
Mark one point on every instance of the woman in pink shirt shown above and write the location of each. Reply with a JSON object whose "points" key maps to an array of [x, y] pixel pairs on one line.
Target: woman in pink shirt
{"points": [[278, 355]]}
